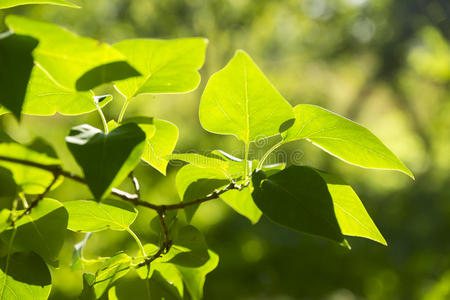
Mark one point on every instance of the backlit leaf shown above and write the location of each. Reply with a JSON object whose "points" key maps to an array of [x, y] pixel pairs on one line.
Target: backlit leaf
{"points": [[342, 138], [27, 278], [91, 216], [167, 66], [239, 100], [42, 230]]}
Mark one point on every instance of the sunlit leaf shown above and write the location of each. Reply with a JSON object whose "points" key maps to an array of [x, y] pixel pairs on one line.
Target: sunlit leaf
{"points": [[297, 198], [109, 272], [27, 277], [42, 230], [342, 138], [239, 100], [106, 159], [231, 169], [31, 180], [352, 217], [161, 139], [12, 3], [61, 53], [167, 66], [91, 216]]}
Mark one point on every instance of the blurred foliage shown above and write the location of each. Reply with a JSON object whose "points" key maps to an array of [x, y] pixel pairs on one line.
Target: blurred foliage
{"points": [[385, 64]]}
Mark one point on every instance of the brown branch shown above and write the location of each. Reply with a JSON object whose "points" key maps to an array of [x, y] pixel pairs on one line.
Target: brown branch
{"points": [[133, 198]]}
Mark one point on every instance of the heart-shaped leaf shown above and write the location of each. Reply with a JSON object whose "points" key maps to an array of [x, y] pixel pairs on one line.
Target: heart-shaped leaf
{"points": [[42, 231], [90, 216], [239, 100], [27, 277], [342, 138], [167, 66], [106, 159]]}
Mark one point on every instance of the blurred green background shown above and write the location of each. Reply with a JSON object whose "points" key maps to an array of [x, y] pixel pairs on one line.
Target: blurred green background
{"points": [[384, 64]]}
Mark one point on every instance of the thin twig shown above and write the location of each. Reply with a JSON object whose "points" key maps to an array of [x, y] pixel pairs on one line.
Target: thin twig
{"points": [[38, 198]]}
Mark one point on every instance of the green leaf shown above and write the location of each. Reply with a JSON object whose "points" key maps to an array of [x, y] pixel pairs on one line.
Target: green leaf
{"points": [[5, 219], [239, 100], [24, 277], [193, 182], [189, 248], [167, 66], [109, 272], [242, 202], [297, 198], [31, 180], [342, 138], [231, 169], [61, 53], [91, 216], [16, 63], [106, 159], [166, 282], [42, 230], [12, 3], [352, 217], [45, 97], [194, 278], [161, 139]]}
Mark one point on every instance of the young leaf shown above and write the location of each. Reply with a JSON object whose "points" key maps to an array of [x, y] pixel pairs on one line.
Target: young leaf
{"points": [[161, 138], [30, 179], [106, 159], [352, 217], [239, 100], [297, 198], [109, 272], [342, 138], [61, 53], [16, 64], [167, 66], [12, 3], [91, 216], [231, 169], [27, 277], [42, 230]]}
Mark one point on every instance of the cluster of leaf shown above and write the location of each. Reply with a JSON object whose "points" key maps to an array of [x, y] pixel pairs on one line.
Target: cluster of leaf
{"points": [[47, 69]]}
